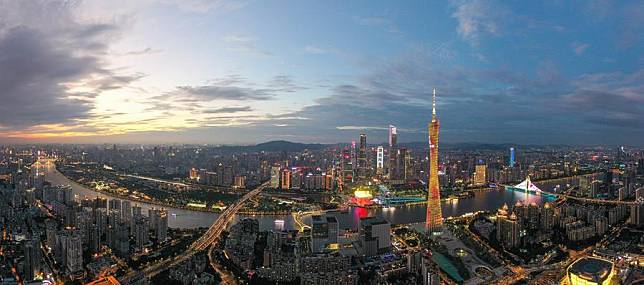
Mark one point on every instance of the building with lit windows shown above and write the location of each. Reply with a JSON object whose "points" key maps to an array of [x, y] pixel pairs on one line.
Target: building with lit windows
{"points": [[512, 160], [393, 152], [380, 159], [286, 179], [480, 174], [347, 168], [362, 157], [275, 177]]}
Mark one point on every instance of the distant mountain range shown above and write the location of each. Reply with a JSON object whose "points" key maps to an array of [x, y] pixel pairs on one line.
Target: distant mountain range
{"points": [[274, 146], [281, 145]]}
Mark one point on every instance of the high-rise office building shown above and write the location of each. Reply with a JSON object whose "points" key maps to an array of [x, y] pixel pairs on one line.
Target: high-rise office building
{"points": [[286, 179], [403, 163], [319, 233], [375, 235], [434, 219], [512, 160], [362, 157], [347, 169], [334, 229], [275, 177], [354, 158], [380, 160], [480, 174], [393, 152]]}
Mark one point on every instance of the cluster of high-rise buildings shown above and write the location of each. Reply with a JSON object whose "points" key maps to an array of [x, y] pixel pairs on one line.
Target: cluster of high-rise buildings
{"points": [[324, 254], [70, 229], [527, 224], [227, 176], [300, 178]]}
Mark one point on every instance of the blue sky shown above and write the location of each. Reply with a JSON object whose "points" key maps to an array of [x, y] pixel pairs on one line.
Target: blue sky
{"points": [[165, 71]]}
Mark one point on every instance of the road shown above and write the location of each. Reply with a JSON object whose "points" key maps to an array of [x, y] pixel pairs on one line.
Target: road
{"points": [[211, 236]]}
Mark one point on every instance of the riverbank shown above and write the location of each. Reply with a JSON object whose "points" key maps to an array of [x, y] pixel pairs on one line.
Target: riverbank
{"points": [[139, 200]]}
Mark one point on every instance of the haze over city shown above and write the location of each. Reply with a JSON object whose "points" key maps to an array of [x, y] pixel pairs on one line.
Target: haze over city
{"points": [[244, 72]]}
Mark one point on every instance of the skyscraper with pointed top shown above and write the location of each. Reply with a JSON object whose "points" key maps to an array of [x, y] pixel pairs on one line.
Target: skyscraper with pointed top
{"points": [[434, 219]]}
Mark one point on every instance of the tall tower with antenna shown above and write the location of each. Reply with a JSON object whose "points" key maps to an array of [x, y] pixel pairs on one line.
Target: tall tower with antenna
{"points": [[434, 219]]}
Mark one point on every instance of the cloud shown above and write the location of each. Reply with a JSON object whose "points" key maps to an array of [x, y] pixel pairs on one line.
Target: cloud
{"points": [[245, 45], [204, 6], [478, 18], [228, 110], [144, 51], [485, 105], [579, 48], [52, 68], [231, 88], [284, 83], [316, 50], [213, 92]]}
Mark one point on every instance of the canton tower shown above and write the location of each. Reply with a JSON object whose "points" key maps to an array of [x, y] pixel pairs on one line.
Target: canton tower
{"points": [[434, 220]]}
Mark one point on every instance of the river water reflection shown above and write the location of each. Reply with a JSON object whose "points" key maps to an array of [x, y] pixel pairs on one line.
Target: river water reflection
{"points": [[181, 218]]}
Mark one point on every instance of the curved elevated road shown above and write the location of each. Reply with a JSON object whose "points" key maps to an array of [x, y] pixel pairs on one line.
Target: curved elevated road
{"points": [[209, 238]]}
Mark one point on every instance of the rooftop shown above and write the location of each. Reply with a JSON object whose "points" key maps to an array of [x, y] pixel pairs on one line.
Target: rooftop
{"points": [[591, 268]]}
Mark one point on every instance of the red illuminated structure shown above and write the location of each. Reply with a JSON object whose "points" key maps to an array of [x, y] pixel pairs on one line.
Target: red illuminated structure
{"points": [[362, 197], [434, 219]]}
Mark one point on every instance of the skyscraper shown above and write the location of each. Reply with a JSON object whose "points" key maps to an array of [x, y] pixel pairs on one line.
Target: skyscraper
{"points": [[275, 176], [512, 160], [393, 137], [380, 158], [362, 157], [480, 174], [319, 233], [32, 261], [434, 219], [347, 168]]}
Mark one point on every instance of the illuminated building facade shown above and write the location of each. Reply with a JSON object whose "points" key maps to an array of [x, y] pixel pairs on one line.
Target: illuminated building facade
{"points": [[362, 197], [512, 159], [275, 176], [434, 219], [590, 271], [393, 152], [362, 157], [286, 179], [380, 159], [480, 174], [347, 168]]}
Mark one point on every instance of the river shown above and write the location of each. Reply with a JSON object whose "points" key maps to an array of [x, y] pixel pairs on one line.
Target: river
{"points": [[182, 218]]}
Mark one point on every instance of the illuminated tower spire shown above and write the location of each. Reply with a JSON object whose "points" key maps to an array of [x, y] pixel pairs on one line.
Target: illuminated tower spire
{"points": [[434, 219], [434, 104]]}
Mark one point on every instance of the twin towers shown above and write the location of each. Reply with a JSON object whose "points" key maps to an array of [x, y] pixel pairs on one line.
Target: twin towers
{"points": [[434, 219]]}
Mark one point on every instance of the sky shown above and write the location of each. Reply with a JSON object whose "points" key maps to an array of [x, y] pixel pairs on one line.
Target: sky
{"points": [[243, 72]]}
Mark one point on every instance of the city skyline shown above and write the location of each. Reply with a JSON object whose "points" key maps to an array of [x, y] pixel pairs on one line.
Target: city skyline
{"points": [[244, 72], [297, 142]]}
